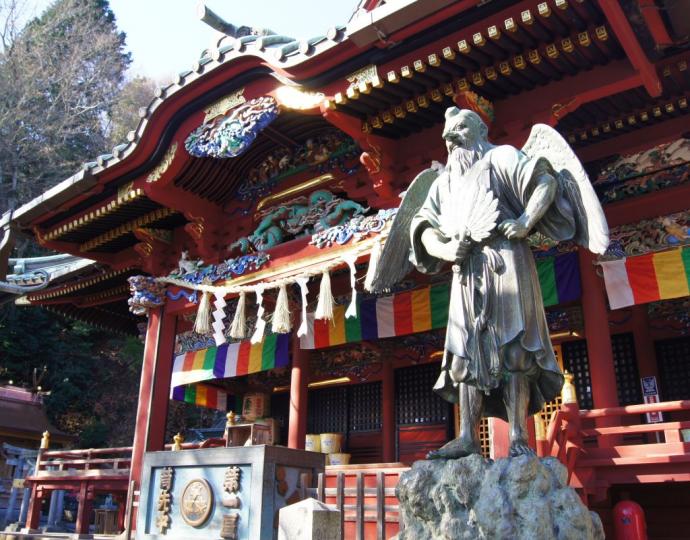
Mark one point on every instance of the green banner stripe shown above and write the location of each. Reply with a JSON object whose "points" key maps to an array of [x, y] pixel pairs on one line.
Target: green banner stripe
{"points": [[547, 280], [685, 255], [190, 393], [353, 328], [268, 353], [210, 358], [439, 302]]}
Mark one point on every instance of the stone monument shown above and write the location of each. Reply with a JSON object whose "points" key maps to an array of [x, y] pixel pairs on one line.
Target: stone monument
{"points": [[476, 214]]}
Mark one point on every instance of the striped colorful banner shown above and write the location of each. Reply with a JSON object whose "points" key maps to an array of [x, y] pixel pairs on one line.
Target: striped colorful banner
{"points": [[426, 309], [202, 395], [231, 360], [647, 278], [559, 277], [396, 315]]}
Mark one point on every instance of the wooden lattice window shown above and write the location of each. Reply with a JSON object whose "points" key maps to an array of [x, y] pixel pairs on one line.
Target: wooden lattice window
{"points": [[576, 362], [673, 359], [415, 401], [365, 407], [625, 364], [327, 410]]}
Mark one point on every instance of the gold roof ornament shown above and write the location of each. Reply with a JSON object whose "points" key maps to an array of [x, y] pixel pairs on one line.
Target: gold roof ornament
{"points": [[45, 440]]}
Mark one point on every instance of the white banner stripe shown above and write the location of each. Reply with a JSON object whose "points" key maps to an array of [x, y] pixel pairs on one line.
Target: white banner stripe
{"points": [[617, 284], [230, 369], [385, 319], [307, 340]]}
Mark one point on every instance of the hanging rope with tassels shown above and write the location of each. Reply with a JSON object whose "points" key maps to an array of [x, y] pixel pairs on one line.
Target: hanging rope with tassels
{"points": [[281, 323], [324, 306]]}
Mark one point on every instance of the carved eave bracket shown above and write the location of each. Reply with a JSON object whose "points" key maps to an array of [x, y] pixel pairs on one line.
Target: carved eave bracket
{"points": [[378, 156]]}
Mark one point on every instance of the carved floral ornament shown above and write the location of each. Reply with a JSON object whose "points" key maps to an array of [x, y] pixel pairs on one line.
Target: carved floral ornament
{"points": [[163, 166]]}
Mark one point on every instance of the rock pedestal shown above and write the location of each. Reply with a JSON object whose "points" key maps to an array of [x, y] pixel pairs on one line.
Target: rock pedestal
{"points": [[518, 498]]}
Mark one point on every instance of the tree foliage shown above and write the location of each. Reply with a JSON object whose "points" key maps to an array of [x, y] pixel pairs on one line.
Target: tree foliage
{"points": [[60, 76], [91, 375]]}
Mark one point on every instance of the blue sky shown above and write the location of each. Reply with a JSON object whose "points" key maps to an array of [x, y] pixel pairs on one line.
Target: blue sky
{"points": [[166, 37]]}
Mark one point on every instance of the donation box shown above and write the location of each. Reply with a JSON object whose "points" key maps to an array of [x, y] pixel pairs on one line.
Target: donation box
{"points": [[226, 493]]}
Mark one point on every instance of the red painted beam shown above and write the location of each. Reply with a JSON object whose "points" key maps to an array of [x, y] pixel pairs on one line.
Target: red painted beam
{"points": [[656, 25], [626, 36]]}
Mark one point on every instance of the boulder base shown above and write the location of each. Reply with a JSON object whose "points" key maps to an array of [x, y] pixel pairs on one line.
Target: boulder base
{"points": [[473, 497]]}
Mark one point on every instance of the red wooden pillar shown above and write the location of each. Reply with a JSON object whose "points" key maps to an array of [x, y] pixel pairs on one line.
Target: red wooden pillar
{"points": [[597, 333], [85, 501], [121, 512], [33, 517], [299, 381], [154, 390], [644, 345], [388, 412]]}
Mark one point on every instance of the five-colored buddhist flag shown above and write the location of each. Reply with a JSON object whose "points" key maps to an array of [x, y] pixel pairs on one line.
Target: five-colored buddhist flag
{"points": [[647, 278], [202, 395], [231, 360]]}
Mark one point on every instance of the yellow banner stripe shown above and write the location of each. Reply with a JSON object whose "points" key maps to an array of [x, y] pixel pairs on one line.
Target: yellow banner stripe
{"points": [[199, 358], [255, 357], [421, 310], [670, 274], [336, 327]]}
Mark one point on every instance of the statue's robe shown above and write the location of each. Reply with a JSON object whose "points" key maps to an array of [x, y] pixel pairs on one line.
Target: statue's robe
{"points": [[495, 294]]}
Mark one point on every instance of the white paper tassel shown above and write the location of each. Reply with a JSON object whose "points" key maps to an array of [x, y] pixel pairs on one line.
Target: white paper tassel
{"points": [[258, 334], [281, 323], [324, 306], [373, 264], [202, 324], [350, 260], [238, 327], [218, 316], [302, 282]]}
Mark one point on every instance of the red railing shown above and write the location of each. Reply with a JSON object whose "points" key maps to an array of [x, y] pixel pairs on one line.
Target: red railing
{"points": [[592, 443]]}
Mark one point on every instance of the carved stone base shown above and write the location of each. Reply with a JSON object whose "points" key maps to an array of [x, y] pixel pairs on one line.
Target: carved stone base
{"points": [[521, 498]]}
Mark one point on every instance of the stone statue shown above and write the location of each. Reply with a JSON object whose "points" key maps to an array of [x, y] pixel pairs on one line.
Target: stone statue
{"points": [[476, 214]]}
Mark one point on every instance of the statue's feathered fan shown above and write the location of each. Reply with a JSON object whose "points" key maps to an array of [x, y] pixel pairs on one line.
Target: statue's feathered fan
{"points": [[592, 231]]}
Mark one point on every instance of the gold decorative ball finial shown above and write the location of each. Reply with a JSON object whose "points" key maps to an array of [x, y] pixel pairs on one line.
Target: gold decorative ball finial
{"points": [[231, 418], [45, 440], [568, 394], [177, 442]]}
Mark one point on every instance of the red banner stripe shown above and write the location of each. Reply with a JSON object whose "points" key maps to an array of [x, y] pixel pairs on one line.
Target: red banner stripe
{"points": [[188, 361], [642, 278], [243, 357], [402, 313], [321, 334]]}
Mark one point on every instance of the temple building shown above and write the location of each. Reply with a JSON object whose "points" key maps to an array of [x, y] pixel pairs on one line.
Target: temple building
{"points": [[240, 220]]}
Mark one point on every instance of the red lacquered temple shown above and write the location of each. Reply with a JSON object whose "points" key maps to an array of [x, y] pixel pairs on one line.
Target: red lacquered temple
{"points": [[268, 173]]}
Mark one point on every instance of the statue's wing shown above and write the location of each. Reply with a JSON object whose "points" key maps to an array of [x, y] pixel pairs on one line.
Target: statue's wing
{"points": [[592, 231], [394, 263]]}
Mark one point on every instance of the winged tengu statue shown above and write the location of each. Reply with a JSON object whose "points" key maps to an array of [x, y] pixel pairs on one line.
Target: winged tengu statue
{"points": [[476, 213]]}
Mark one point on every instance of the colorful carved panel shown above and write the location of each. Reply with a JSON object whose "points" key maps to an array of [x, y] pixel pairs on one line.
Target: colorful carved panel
{"points": [[660, 167], [300, 216], [231, 135], [649, 235], [329, 150]]}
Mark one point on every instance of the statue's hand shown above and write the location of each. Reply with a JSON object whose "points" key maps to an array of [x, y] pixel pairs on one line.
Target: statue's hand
{"points": [[514, 229], [447, 249]]}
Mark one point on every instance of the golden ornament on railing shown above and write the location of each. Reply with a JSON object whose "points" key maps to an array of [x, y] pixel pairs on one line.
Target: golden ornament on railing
{"points": [[45, 440], [231, 418], [177, 442], [568, 394]]}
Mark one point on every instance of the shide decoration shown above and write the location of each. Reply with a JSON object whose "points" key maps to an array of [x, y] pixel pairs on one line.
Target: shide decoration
{"points": [[231, 135]]}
